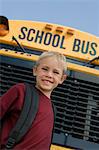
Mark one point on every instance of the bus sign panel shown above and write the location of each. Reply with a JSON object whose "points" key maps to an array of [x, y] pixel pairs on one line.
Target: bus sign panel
{"points": [[80, 45], [55, 40]]}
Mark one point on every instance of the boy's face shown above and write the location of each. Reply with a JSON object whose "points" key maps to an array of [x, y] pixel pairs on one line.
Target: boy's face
{"points": [[49, 73]]}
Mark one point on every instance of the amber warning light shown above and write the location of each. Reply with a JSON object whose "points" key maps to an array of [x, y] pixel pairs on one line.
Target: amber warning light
{"points": [[4, 26]]}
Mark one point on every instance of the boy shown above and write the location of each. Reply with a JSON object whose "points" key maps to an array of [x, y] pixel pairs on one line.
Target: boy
{"points": [[50, 70]]}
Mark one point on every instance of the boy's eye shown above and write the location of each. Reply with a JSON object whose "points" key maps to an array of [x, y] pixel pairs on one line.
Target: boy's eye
{"points": [[56, 72], [45, 69]]}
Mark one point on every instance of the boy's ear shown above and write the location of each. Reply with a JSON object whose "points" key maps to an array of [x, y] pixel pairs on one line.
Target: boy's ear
{"points": [[63, 78], [34, 71]]}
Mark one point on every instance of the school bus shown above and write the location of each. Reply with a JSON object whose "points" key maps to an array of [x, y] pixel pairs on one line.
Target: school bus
{"points": [[77, 100]]}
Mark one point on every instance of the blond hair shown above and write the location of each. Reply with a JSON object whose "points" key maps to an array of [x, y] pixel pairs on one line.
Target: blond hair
{"points": [[59, 56]]}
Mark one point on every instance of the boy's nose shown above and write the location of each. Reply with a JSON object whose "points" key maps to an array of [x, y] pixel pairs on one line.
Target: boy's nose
{"points": [[50, 74]]}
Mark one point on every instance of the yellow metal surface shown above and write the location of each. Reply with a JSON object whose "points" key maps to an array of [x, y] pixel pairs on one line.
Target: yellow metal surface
{"points": [[26, 56], [43, 36], [55, 147]]}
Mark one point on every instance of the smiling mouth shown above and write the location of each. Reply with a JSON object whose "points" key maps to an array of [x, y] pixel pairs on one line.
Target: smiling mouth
{"points": [[47, 81]]}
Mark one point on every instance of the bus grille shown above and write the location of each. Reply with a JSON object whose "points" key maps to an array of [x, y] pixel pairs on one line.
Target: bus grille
{"points": [[76, 102]]}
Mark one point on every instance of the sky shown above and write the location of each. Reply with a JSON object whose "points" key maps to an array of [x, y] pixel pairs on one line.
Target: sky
{"points": [[79, 14]]}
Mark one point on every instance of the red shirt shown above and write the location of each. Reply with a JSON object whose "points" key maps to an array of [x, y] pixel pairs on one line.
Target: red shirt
{"points": [[40, 133]]}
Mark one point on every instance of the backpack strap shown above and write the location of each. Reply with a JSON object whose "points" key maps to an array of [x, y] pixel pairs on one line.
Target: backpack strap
{"points": [[55, 113], [26, 117]]}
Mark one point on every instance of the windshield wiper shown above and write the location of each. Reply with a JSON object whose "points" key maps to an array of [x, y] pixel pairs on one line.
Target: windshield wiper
{"points": [[13, 38], [90, 61]]}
